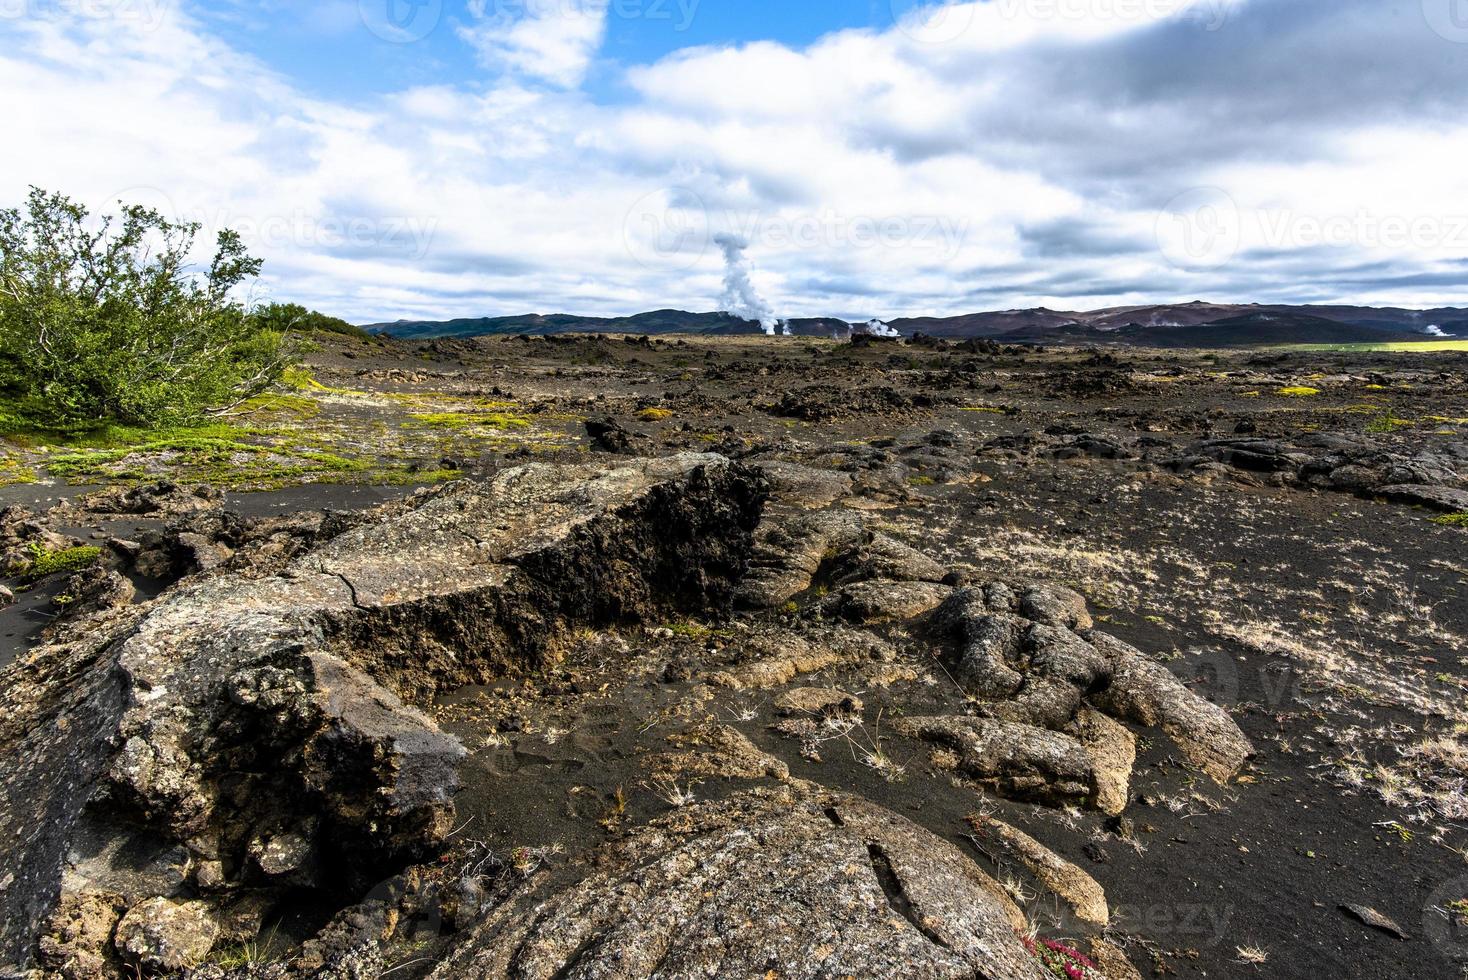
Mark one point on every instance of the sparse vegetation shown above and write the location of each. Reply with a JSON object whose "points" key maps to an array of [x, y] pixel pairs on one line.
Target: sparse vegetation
{"points": [[498, 421], [1388, 423], [1252, 955], [668, 790], [14, 471], [252, 953], [1298, 391], [1289, 616]]}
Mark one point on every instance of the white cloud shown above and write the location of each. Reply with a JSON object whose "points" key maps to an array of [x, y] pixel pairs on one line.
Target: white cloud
{"points": [[551, 40], [1020, 161]]}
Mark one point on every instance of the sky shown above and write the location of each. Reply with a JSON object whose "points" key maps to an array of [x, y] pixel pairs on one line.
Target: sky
{"points": [[415, 159]]}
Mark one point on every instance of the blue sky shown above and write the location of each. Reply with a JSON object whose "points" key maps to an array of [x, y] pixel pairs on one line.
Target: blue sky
{"points": [[887, 158], [323, 47]]}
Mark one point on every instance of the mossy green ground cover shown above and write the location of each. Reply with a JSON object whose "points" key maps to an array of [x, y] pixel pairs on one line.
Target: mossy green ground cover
{"points": [[303, 432]]}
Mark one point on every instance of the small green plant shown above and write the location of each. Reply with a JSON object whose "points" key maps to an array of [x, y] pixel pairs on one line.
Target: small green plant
{"points": [[256, 952], [655, 414], [690, 631], [44, 563], [1388, 423], [1453, 520], [616, 807], [1298, 391]]}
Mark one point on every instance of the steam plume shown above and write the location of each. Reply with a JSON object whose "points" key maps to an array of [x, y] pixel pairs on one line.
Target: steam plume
{"points": [[1434, 330], [878, 328], [740, 298]]}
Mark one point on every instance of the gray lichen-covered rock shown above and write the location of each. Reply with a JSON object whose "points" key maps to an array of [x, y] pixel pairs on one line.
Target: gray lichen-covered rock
{"points": [[793, 883], [1042, 679], [880, 601], [1019, 761], [789, 551], [262, 723], [163, 936], [1447, 499]]}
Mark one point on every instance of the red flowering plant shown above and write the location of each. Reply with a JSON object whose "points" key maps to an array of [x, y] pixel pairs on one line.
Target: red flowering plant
{"points": [[1060, 961]]}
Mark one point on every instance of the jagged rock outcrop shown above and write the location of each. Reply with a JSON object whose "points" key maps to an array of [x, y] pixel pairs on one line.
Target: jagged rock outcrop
{"points": [[1039, 673], [257, 730], [793, 883], [1435, 477]]}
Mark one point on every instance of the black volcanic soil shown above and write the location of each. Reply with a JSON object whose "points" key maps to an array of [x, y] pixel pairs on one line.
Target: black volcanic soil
{"points": [[1331, 623]]}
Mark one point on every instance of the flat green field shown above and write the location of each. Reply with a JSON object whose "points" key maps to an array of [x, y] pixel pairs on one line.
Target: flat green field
{"points": [[1410, 346]]}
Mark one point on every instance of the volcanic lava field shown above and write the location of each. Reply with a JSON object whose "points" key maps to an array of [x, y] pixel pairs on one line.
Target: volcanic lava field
{"points": [[593, 657]]}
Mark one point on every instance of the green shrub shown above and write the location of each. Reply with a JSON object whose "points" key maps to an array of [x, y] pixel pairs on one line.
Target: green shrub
{"points": [[103, 321], [291, 317]]}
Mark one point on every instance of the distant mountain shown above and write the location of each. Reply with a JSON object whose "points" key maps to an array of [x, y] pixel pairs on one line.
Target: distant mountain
{"points": [[1035, 322], [1127, 324], [1259, 330], [656, 323], [1196, 324]]}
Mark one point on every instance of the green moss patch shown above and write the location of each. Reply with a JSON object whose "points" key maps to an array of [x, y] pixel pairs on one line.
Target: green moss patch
{"points": [[210, 456], [496, 421], [1388, 423], [44, 563], [13, 472]]}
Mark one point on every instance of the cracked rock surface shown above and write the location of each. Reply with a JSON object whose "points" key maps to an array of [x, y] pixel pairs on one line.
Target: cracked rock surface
{"points": [[249, 732], [794, 883]]}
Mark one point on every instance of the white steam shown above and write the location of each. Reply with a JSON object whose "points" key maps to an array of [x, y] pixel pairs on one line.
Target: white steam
{"points": [[740, 298], [876, 328], [1433, 330]]}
